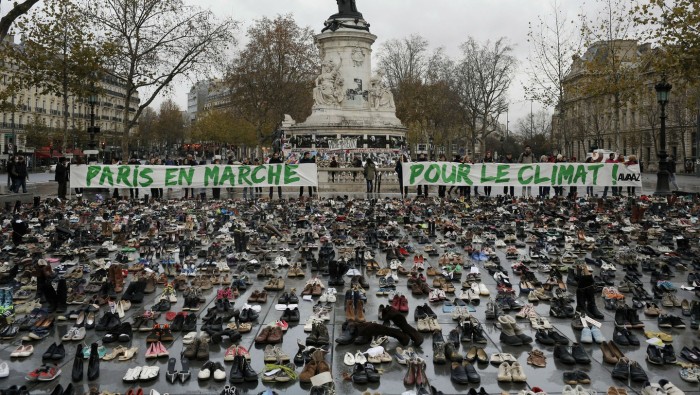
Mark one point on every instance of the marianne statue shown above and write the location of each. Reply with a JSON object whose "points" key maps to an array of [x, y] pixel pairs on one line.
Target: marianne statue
{"points": [[347, 9]]}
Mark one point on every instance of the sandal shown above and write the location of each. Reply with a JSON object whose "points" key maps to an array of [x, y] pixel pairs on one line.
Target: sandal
{"points": [[117, 351], [129, 353]]}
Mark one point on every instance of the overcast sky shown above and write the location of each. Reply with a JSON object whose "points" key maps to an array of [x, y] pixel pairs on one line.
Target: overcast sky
{"points": [[444, 23]]}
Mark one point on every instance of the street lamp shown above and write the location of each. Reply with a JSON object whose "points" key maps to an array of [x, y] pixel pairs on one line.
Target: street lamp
{"points": [[431, 151], [662, 187], [92, 130]]}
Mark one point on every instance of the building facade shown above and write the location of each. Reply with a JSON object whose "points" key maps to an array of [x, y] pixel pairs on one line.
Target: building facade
{"points": [[32, 108], [624, 116]]}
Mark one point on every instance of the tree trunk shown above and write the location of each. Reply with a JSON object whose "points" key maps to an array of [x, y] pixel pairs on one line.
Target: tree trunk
{"points": [[126, 122]]}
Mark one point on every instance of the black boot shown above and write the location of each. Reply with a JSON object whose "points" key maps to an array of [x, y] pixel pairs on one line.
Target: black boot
{"points": [[370, 329], [93, 363], [61, 295], [77, 373], [587, 290], [51, 296]]}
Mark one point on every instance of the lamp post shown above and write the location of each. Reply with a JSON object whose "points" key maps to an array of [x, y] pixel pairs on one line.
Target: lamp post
{"points": [[92, 130], [662, 187]]}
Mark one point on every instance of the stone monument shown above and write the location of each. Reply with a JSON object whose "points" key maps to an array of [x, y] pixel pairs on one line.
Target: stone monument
{"points": [[354, 109]]}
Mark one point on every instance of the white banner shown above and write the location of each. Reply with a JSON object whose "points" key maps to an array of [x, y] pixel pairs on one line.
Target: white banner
{"points": [[536, 174], [205, 176]]}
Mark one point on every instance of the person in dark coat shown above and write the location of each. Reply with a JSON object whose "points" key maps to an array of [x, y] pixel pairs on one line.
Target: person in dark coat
{"points": [[19, 171], [62, 177], [307, 159], [508, 190], [422, 189], [275, 158], [399, 173]]}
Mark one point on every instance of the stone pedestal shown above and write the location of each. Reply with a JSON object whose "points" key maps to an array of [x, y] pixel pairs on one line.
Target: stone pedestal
{"points": [[353, 108]]}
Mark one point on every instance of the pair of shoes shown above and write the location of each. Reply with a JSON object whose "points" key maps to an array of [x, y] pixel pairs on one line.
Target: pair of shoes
{"points": [[183, 375], [141, 373], [576, 377], [156, 350], [511, 372], [626, 369], [44, 373], [464, 373], [576, 355]]}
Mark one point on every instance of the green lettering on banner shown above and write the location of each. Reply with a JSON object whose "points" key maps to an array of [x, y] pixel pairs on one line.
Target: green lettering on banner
{"points": [[107, 174], [146, 175], [243, 173], [484, 178], [502, 174], [453, 174], [554, 174], [580, 173], [185, 175], [92, 172], [256, 179], [521, 180], [595, 169], [538, 179], [211, 173], [435, 168], [290, 174], [228, 176], [123, 175], [274, 174], [416, 170], [135, 177], [463, 171], [614, 174], [170, 175], [566, 173]]}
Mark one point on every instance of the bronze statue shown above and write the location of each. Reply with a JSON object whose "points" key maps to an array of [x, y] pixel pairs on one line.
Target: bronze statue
{"points": [[347, 9]]}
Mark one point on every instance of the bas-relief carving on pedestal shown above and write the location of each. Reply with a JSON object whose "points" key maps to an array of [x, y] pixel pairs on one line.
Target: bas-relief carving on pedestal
{"points": [[329, 85], [380, 96], [358, 57]]}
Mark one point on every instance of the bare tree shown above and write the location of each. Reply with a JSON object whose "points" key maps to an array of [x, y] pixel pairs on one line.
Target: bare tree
{"points": [[404, 60], [18, 9], [552, 45], [490, 67], [158, 41]]}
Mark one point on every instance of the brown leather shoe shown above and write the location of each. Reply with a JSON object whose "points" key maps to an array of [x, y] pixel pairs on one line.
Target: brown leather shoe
{"points": [[316, 290], [537, 358], [615, 350], [360, 311], [253, 298], [349, 310], [321, 365], [608, 355], [263, 335], [308, 372], [275, 335], [262, 297]]}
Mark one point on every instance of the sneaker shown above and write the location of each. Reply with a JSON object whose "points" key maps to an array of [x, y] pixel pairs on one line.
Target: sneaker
{"points": [[50, 373]]}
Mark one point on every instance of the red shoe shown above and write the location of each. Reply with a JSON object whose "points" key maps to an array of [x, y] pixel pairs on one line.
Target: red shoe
{"points": [[403, 304], [396, 302], [50, 373]]}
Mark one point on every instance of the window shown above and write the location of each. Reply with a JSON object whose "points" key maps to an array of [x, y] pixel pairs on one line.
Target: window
{"points": [[674, 151], [693, 144]]}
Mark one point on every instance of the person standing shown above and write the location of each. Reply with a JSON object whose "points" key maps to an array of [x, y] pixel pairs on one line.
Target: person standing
{"points": [[62, 177], [611, 159], [527, 158], [422, 189], [78, 191], [370, 171], [442, 189], [333, 165], [544, 190], [356, 163], [134, 192], [559, 190], [275, 158], [190, 161], [671, 171], [631, 161], [466, 190], [10, 171], [589, 189], [246, 189], [115, 193], [399, 173], [21, 175], [508, 190], [307, 159], [216, 192], [488, 158]]}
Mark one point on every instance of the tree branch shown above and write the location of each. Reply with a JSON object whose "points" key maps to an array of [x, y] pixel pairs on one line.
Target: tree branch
{"points": [[17, 11]]}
